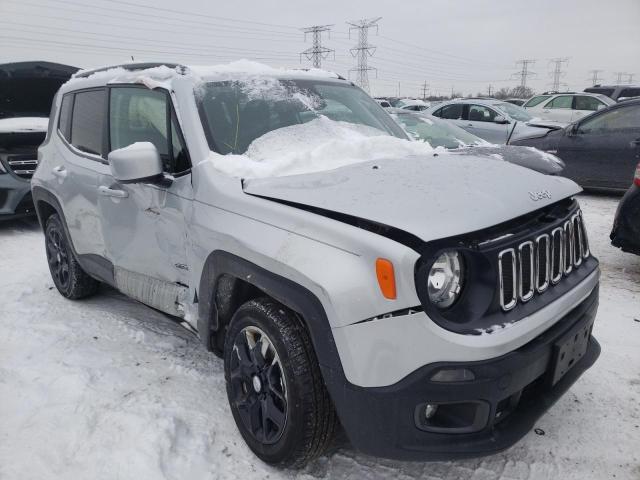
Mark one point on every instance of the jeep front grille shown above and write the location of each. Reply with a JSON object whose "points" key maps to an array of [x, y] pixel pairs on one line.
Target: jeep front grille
{"points": [[534, 265], [23, 166]]}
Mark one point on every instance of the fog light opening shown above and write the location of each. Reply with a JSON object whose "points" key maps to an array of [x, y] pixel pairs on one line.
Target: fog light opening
{"points": [[430, 410]]}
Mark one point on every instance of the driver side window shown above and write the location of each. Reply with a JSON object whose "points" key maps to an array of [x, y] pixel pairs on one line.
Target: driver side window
{"points": [[616, 119], [142, 115], [563, 101], [480, 113]]}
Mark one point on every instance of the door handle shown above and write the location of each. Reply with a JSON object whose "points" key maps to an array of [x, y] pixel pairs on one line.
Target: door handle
{"points": [[110, 192], [59, 172]]}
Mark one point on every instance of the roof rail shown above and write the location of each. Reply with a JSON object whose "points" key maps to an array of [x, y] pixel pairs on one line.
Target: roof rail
{"points": [[132, 67]]}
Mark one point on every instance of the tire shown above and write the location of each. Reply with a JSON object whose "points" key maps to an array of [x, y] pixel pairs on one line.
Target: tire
{"points": [[286, 417], [67, 274]]}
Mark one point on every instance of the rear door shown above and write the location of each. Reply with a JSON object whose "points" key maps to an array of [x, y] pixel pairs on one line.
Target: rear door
{"points": [[605, 148], [77, 165], [144, 223], [559, 108]]}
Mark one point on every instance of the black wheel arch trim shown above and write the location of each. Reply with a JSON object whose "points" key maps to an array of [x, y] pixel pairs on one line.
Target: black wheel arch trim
{"points": [[95, 265], [281, 289]]}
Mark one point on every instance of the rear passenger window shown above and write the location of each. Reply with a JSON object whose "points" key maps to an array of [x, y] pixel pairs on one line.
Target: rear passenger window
{"points": [[87, 125], [64, 122], [588, 103], [629, 93]]}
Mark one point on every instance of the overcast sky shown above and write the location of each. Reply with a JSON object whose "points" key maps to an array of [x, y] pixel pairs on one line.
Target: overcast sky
{"points": [[462, 44]]}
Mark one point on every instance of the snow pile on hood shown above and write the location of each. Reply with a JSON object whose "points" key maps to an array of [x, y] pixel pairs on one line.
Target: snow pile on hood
{"points": [[321, 144], [24, 124]]}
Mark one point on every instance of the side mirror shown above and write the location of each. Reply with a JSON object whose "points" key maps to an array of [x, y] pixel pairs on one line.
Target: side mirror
{"points": [[501, 120], [139, 162]]}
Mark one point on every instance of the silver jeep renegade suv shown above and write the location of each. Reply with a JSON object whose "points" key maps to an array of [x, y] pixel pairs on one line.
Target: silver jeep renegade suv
{"points": [[433, 306]]}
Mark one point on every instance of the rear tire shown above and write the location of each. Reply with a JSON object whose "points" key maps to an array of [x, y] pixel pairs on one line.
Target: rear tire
{"points": [[67, 274], [274, 385]]}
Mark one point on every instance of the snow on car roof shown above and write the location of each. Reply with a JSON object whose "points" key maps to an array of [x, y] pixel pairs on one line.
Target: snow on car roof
{"points": [[154, 75]]}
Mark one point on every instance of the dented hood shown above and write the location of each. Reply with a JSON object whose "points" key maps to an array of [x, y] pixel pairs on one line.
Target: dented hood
{"points": [[430, 197]]}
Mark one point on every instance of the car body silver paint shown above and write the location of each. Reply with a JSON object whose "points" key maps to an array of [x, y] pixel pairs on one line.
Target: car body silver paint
{"points": [[333, 260], [384, 351]]}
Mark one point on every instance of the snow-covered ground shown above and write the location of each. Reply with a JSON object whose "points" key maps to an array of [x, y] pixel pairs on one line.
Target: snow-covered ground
{"points": [[107, 388]]}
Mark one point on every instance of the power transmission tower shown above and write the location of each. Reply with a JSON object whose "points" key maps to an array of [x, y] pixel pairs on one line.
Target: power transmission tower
{"points": [[619, 76], [595, 77], [317, 52], [489, 90], [556, 74], [363, 50], [425, 89], [523, 74], [630, 77]]}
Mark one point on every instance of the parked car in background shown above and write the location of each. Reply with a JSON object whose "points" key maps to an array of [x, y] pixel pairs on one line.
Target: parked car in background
{"points": [[599, 151], [492, 120], [516, 101], [413, 105], [626, 225], [441, 133], [566, 107], [383, 102], [616, 92], [395, 299], [26, 92]]}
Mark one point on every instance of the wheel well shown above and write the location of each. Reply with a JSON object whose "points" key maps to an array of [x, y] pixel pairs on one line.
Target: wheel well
{"points": [[44, 210], [230, 294]]}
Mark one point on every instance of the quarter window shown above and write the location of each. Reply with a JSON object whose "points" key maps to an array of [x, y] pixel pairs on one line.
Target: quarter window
{"points": [[64, 122], [141, 115], [88, 121], [563, 101]]}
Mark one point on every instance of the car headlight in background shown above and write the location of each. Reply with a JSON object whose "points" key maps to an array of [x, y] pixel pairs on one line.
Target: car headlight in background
{"points": [[444, 281]]}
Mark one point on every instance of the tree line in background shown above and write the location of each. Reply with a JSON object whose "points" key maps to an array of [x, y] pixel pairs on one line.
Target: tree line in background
{"points": [[504, 92]]}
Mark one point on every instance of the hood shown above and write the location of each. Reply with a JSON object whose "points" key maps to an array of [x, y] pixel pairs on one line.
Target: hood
{"points": [[550, 124], [431, 197], [27, 88], [527, 157]]}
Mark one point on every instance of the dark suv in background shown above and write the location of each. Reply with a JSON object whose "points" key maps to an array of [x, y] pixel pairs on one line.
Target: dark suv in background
{"points": [[616, 92], [26, 92]]}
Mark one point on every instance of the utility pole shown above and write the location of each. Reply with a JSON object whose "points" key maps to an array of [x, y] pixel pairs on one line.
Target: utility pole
{"points": [[556, 74], [619, 76], [489, 90], [363, 50], [595, 80], [425, 88], [523, 74], [317, 52]]}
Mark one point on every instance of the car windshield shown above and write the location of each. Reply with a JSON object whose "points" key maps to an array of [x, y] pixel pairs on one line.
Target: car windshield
{"points": [[235, 113], [514, 111], [437, 133]]}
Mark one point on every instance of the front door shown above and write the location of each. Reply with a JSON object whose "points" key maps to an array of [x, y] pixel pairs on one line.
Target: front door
{"points": [[481, 122], [144, 224], [603, 152]]}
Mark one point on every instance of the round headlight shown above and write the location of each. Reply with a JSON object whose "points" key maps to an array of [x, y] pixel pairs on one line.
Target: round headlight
{"points": [[444, 282]]}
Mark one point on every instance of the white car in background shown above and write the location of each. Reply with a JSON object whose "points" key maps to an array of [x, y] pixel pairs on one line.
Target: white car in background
{"points": [[411, 104], [493, 120], [566, 107]]}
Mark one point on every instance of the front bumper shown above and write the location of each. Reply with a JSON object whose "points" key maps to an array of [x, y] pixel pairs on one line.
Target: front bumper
{"points": [[15, 197], [626, 228], [510, 392]]}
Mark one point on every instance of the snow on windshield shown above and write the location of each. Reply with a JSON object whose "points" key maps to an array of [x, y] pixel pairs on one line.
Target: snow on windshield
{"points": [[321, 144]]}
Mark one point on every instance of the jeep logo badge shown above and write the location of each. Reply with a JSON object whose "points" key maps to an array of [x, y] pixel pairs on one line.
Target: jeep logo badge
{"points": [[535, 196]]}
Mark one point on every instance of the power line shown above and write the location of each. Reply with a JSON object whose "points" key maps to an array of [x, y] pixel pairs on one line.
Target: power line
{"points": [[363, 50], [595, 80], [557, 73], [317, 52], [523, 74]]}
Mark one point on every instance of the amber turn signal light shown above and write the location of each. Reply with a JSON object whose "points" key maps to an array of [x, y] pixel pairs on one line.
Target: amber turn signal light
{"points": [[386, 278]]}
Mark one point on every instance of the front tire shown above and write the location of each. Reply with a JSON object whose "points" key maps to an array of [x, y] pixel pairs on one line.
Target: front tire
{"points": [[275, 387], [67, 274]]}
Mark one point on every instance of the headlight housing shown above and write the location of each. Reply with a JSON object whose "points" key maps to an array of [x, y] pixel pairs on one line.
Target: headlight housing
{"points": [[445, 279]]}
